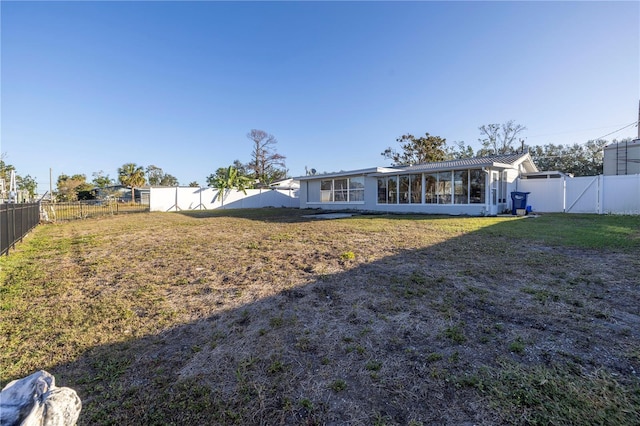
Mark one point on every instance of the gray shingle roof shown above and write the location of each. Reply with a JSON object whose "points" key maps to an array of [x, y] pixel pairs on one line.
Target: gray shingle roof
{"points": [[465, 163]]}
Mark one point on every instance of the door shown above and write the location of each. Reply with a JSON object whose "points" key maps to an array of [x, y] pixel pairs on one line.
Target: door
{"points": [[493, 195]]}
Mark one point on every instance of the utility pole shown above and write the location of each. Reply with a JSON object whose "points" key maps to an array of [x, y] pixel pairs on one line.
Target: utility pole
{"points": [[638, 125], [50, 186]]}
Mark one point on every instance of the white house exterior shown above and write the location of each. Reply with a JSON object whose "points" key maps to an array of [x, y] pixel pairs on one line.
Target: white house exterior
{"points": [[474, 186], [622, 158]]}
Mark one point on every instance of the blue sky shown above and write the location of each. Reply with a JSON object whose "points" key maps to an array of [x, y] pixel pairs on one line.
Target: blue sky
{"points": [[89, 86]]}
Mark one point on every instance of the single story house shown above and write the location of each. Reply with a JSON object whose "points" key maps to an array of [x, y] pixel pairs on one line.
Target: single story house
{"points": [[289, 183], [122, 193], [474, 186]]}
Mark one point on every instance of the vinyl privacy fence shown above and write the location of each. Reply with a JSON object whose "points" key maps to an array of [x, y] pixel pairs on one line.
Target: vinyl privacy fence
{"points": [[188, 198], [591, 194]]}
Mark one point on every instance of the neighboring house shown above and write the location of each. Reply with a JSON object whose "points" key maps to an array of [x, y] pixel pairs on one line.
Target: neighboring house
{"points": [[122, 193], [286, 184], [622, 158], [474, 186]]}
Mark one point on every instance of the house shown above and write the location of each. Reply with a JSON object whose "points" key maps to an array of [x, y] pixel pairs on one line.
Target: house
{"points": [[473, 186], [289, 183], [122, 193], [622, 158]]}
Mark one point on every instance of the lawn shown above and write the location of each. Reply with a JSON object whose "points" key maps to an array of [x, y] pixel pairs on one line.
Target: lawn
{"points": [[270, 317]]}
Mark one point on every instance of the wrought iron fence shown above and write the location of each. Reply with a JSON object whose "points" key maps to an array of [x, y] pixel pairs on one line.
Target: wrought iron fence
{"points": [[16, 220], [52, 212]]}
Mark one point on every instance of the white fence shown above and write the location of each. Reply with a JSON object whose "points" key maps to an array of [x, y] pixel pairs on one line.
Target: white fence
{"points": [[188, 198], [591, 194]]}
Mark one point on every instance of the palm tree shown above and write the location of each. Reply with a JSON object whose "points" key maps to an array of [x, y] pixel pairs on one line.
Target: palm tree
{"points": [[131, 175], [229, 180]]}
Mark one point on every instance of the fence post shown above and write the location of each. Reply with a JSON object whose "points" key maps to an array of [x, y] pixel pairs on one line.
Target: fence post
{"points": [[600, 202], [13, 226], [564, 194]]}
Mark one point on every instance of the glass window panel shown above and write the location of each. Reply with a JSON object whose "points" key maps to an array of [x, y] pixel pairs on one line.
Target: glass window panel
{"points": [[416, 189], [356, 195], [404, 189], [382, 190], [356, 183], [461, 187], [326, 191], [430, 183], [340, 188], [477, 187], [443, 188], [356, 189], [392, 188], [503, 187]]}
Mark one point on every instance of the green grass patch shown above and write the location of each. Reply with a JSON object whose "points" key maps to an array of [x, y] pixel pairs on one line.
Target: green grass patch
{"points": [[560, 395], [588, 231]]}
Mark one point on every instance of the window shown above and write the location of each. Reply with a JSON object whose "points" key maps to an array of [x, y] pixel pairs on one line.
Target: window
{"points": [[430, 183], [326, 191], [392, 187], [404, 189], [476, 187], [503, 188], [342, 190], [416, 189], [461, 187], [356, 189], [443, 188], [382, 190]]}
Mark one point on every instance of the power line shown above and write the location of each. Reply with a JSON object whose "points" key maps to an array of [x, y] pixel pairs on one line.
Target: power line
{"points": [[635, 123], [574, 131]]}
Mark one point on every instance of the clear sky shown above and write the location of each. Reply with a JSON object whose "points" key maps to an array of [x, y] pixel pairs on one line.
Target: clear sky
{"points": [[89, 86]]}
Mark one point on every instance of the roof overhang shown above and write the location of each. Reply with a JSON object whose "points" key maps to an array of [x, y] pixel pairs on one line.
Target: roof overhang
{"points": [[360, 172]]}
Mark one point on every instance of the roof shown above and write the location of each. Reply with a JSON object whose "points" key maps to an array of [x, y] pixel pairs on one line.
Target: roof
{"points": [[285, 184], [626, 143], [504, 161], [359, 172], [510, 160]]}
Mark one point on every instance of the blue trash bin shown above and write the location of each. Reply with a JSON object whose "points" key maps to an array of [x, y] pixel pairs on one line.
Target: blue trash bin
{"points": [[518, 201]]}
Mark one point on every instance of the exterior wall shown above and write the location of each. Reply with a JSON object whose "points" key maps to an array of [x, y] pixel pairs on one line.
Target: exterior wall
{"points": [[310, 198], [187, 198], [446, 209], [310, 195], [622, 158], [511, 185]]}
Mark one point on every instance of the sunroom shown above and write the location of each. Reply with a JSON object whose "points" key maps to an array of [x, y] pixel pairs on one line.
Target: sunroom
{"points": [[475, 186]]}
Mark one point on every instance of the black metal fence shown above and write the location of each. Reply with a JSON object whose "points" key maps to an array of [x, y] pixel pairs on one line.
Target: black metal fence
{"points": [[16, 220], [52, 212]]}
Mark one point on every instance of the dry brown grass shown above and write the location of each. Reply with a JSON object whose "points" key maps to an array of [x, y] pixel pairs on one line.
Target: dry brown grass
{"points": [[268, 317]]}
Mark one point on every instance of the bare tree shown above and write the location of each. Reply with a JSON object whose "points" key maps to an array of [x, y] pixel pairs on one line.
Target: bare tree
{"points": [[499, 138], [266, 164]]}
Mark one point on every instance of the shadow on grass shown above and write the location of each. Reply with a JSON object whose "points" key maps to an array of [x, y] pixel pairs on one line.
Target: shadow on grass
{"points": [[481, 328], [286, 215]]}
